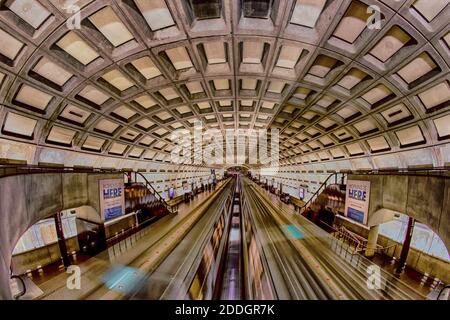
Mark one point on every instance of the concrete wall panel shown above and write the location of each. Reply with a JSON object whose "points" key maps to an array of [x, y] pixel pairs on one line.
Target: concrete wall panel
{"points": [[4, 281], [444, 222], [13, 222], [425, 199], [74, 189], [26, 199], [43, 194], [394, 195]]}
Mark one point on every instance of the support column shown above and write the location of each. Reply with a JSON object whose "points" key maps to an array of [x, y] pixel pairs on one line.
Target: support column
{"points": [[129, 178], [102, 244], [61, 240], [372, 241], [406, 245]]}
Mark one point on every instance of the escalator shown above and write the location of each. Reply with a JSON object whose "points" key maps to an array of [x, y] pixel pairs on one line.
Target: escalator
{"points": [[193, 262], [230, 285]]}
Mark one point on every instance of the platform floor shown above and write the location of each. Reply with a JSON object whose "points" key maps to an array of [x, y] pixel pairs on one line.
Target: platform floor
{"points": [[409, 276], [42, 279], [52, 278]]}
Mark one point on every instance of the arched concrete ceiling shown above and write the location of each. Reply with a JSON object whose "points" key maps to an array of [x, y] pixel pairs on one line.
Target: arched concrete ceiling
{"points": [[336, 86]]}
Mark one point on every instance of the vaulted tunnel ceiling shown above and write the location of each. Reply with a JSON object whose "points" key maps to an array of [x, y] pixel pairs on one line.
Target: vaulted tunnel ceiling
{"points": [[136, 70]]}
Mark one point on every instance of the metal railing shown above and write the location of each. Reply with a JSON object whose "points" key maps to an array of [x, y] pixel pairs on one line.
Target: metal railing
{"points": [[125, 239], [348, 245], [345, 244], [149, 186], [343, 233], [19, 169], [444, 289], [22, 283], [357, 246], [331, 180]]}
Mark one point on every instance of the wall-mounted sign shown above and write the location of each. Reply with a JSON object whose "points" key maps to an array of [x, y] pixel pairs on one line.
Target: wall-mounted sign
{"points": [[301, 193], [186, 187], [357, 200], [112, 198]]}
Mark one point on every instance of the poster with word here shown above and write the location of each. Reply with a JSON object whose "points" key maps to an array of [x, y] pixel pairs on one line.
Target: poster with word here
{"points": [[112, 198], [357, 200]]}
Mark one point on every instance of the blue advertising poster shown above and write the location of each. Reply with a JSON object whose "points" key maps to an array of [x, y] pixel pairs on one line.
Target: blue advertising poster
{"points": [[112, 198], [357, 200], [356, 215]]}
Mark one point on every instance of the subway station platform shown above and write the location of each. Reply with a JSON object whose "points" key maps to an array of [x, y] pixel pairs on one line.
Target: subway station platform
{"points": [[224, 150], [238, 239], [45, 278]]}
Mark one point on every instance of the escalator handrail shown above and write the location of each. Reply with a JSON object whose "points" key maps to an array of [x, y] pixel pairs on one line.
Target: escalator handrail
{"points": [[321, 188], [442, 290], [152, 189], [24, 290]]}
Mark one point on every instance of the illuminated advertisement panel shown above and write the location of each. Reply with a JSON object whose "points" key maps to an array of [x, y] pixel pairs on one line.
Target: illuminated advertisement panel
{"points": [[357, 200], [112, 198], [301, 193]]}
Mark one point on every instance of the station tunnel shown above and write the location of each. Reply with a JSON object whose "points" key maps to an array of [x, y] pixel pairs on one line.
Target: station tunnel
{"points": [[224, 150]]}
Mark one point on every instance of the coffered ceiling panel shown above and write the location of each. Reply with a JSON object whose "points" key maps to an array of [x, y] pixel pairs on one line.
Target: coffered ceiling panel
{"points": [[134, 71]]}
